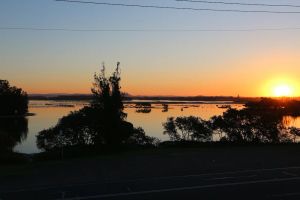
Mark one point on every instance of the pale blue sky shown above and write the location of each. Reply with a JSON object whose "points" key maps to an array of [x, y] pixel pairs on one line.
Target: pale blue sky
{"points": [[183, 63]]}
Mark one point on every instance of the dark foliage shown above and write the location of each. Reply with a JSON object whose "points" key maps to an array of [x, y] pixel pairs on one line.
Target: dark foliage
{"points": [[281, 107], [13, 100], [248, 126], [258, 122], [187, 129], [101, 123], [294, 132], [139, 137]]}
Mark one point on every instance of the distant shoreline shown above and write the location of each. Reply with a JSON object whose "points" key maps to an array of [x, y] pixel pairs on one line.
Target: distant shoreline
{"points": [[182, 102], [134, 101], [154, 99]]}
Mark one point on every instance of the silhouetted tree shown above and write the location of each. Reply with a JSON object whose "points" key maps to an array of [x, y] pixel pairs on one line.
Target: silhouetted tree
{"points": [[101, 123], [13, 100], [108, 107], [171, 130], [139, 137], [74, 129], [107, 94], [249, 125], [191, 128]]}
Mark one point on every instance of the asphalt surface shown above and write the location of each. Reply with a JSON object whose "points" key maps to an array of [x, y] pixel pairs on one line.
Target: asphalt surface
{"points": [[281, 181], [272, 183]]}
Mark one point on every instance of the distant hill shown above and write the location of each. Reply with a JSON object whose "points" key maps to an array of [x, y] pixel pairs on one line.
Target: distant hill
{"points": [[74, 97]]}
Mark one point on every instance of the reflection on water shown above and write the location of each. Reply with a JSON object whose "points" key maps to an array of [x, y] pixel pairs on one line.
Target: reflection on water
{"points": [[49, 112], [290, 121], [13, 130], [45, 117], [152, 122]]}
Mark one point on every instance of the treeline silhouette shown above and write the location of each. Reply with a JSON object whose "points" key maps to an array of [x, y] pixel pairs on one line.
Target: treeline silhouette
{"points": [[102, 123], [74, 97], [13, 100], [258, 122], [128, 97]]}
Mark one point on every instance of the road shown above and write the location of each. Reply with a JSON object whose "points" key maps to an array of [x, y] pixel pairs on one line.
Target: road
{"points": [[281, 181], [272, 183]]}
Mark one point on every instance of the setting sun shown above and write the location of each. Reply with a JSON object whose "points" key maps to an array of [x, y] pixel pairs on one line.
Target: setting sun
{"points": [[283, 91], [281, 86]]}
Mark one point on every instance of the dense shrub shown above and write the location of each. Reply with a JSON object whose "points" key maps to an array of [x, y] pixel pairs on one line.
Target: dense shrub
{"points": [[187, 128], [13, 100]]}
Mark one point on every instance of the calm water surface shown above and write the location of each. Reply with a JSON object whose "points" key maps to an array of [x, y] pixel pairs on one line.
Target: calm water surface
{"points": [[47, 113]]}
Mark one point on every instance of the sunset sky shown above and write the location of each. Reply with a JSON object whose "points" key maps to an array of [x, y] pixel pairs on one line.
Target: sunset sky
{"points": [[247, 61]]}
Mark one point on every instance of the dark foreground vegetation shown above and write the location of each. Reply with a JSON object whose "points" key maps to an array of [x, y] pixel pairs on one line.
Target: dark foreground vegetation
{"points": [[13, 100]]}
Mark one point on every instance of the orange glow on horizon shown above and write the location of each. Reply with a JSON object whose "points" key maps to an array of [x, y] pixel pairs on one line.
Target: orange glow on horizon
{"points": [[283, 91], [281, 87]]}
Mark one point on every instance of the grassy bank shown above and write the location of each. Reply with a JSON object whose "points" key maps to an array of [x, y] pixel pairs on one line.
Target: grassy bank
{"points": [[85, 152]]}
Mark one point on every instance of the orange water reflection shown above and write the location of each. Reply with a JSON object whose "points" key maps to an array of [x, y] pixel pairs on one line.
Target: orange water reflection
{"points": [[152, 122], [48, 113], [45, 117], [290, 121]]}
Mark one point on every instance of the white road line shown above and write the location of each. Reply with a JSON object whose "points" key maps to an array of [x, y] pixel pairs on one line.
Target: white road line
{"points": [[207, 174], [289, 174], [222, 178], [38, 188], [286, 194], [184, 188], [232, 177]]}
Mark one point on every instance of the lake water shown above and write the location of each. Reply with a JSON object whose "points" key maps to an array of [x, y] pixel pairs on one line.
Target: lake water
{"points": [[20, 134], [47, 114]]}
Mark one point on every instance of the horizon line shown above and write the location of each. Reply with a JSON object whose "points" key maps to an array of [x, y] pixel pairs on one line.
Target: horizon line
{"points": [[232, 96]]}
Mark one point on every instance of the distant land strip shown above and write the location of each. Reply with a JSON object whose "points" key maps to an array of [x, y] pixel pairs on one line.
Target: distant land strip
{"points": [[134, 99]]}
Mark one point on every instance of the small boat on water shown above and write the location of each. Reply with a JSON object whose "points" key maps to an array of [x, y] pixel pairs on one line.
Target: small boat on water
{"points": [[224, 106]]}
